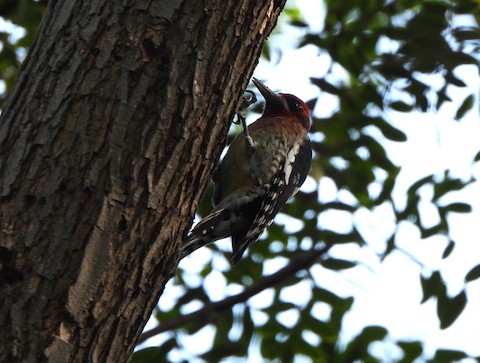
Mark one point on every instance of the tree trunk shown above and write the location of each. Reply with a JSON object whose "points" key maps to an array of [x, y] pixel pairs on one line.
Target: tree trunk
{"points": [[108, 140]]}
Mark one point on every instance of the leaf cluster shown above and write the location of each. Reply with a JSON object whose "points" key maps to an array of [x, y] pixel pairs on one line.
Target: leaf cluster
{"points": [[25, 16], [423, 41]]}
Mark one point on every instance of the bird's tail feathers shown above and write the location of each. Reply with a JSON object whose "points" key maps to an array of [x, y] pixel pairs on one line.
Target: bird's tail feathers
{"points": [[201, 234], [210, 229], [266, 211]]}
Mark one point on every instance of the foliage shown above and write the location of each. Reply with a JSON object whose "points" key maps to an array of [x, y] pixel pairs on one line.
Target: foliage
{"points": [[351, 152], [277, 324], [25, 15]]}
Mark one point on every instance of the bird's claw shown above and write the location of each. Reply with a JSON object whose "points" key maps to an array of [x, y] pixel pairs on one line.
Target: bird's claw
{"points": [[248, 99]]}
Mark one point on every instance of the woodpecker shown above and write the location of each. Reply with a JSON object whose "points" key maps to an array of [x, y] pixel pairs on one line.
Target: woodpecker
{"points": [[263, 168]]}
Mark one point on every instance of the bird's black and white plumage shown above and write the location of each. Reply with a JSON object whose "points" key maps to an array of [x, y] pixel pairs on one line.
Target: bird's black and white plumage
{"points": [[263, 168]]}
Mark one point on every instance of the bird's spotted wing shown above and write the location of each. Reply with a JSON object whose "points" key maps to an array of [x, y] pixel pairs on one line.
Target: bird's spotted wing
{"points": [[285, 183]]}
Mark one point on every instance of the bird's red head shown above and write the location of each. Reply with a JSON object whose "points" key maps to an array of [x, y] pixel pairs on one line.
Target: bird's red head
{"points": [[284, 104]]}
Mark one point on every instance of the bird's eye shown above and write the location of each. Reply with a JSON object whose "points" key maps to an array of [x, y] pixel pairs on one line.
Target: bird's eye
{"points": [[294, 105]]}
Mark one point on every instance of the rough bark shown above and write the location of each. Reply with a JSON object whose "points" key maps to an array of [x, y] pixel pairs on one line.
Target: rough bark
{"points": [[107, 142]]}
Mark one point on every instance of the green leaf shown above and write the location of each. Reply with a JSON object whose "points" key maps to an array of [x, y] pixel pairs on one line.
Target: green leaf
{"points": [[328, 297], [299, 23], [337, 264], [419, 183], [437, 229], [432, 286], [477, 157], [248, 326], [368, 335], [411, 350], [305, 348], [357, 349], [279, 307], [458, 58], [147, 355], [387, 187], [466, 106], [448, 355], [442, 96], [447, 185], [450, 78], [449, 309], [466, 33], [390, 246], [473, 274], [154, 354], [466, 6], [223, 325], [331, 237], [337, 206], [391, 132], [458, 207], [448, 250], [326, 86], [400, 106], [373, 333]]}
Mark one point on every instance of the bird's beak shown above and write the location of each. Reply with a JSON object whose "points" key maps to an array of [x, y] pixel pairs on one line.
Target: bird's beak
{"points": [[271, 97]]}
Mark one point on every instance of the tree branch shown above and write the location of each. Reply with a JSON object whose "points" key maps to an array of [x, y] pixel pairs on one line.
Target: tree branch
{"points": [[203, 315]]}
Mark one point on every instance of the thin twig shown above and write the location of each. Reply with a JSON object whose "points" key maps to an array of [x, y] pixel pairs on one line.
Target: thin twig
{"points": [[202, 315]]}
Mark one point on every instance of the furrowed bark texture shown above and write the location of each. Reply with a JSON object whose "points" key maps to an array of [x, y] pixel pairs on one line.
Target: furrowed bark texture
{"points": [[109, 138]]}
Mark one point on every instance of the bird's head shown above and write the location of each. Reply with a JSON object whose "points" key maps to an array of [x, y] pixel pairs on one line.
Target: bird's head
{"points": [[284, 104]]}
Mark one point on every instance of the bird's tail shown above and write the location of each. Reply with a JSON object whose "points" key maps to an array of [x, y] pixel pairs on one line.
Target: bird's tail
{"points": [[208, 230], [225, 221]]}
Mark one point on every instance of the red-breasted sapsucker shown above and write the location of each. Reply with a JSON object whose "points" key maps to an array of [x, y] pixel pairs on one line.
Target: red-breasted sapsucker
{"points": [[263, 168]]}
